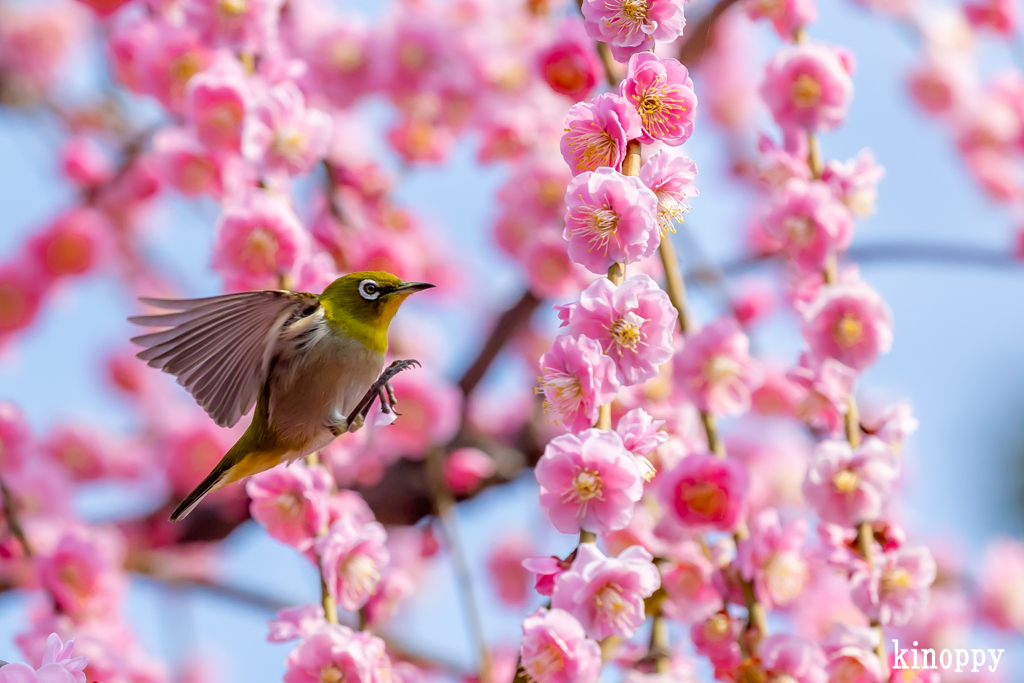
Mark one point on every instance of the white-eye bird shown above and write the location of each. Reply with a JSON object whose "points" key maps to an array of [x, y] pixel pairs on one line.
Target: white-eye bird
{"points": [[310, 364]]}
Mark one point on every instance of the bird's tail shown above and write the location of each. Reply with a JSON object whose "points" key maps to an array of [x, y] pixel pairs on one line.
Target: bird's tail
{"points": [[213, 481]]}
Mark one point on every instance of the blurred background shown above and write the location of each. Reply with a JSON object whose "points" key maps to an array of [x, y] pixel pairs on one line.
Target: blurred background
{"points": [[957, 356]]}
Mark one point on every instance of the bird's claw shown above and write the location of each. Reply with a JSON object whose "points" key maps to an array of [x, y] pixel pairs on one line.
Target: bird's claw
{"points": [[381, 389]]}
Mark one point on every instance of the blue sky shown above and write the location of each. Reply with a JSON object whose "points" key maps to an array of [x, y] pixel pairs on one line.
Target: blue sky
{"points": [[957, 354]]}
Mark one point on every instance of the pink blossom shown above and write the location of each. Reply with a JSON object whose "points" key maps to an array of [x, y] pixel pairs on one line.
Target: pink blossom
{"points": [[35, 42], [245, 25], [855, 183], [1000, 16], [893, 425], [88, 454], [662, 93], [786, 15], [771, 557], [687, 577], [14, 436], [259, 240], [851, 655], [809, 223], [940, 86], [611, 218], [896, 586], [293, 623], [777, 394], [394, 588], [353, 558], [588, 482], [21, 293], [291, 503], [828, 385], [549, 270], [187, 165], [776, 165], [556, 650], [596, 133], [83, 572], [753, 303], [547, 570], [850, 323], [337, 653], [167, 57], [641, 435], [607, 594], [84, 162], [576, 379], [703, 492], [42, 487], [343, 61], [465, 468], [505, 566], [57, 666], [73, 244], [716, 637], [1002, 584], [570, 65], [670, 176], [430, 406], [847, 486], [786, 656], [285, 135], [633, 323], [809, 86], [715, 370], [216, 103], [629, 26]]}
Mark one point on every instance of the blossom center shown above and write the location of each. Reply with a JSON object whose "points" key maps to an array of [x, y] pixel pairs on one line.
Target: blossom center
{"points": [[289, 142], [611, 605], [563, 392], [361, 572], [232, 8], [785, 574], [846, 481], [703, 498], [331, 674], [720, 368], [799, 229], [634, 10], [13, 305], [598, 225], [346, 55], [71, 576], [625, 334], [847, 331], [848, 671], [896, 581], [586, 485], [670, 210], [717, 627], [592, 147], [259, 251], [546, 662], [227, 117], [806, 91]]}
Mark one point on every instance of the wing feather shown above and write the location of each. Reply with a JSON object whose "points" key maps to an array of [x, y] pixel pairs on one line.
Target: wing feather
{"points": [[220, 347]]}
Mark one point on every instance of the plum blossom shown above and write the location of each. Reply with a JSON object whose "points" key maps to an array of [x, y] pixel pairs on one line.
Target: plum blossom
{"points": [[570, 65], [293, 623], [704, 493], [546, 570], [283, 134], [851, 654], [631, 26], [641, 435], [999, 16], [337, 653], [245, 25], [14, 436], [828, 385], [808, 86], [787, 16], [808, 223], [716, 637], [850, 323], [715, 370], [606, 594], [72, 245], [662, 93], [549, 270], [687, 577], [576, 380], [259, 240], [596, 133], [893, 425], [847, 486], [57, 666], [633, 322], [610, 218], [465, 468], [588, 482], [505, 566], [896, 586], [555, 649], [788, 657], [82, 572], [771, 557], [216, 102], [855, 183], [353, 558], [1002, 585], [291, 503], [670, 176]]}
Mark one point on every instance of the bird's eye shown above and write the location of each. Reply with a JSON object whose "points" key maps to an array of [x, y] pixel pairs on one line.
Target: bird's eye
{"points": [[369, 290]]}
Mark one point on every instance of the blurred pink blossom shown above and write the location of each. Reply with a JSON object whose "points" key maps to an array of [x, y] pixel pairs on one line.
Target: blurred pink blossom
{"points": [[570, 65], [556, 650], [715, 370], [896, 586], [353, 558], [337, 653], [704, 493], [809, 86], [847, 486], [850, 323]]}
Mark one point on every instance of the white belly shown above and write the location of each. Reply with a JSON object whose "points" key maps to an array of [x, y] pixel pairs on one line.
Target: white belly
{"points": [[306, 397]]}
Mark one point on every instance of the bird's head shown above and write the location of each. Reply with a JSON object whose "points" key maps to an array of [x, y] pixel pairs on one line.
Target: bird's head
{"points": [[365, 302]]}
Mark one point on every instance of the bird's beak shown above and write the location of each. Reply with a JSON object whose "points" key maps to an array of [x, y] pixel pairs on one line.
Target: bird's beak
{"points": [[414, 286]]}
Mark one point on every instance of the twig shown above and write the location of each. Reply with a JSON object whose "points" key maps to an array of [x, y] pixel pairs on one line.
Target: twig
{"points": [[506, 327], [13, 521], [701, 37]]}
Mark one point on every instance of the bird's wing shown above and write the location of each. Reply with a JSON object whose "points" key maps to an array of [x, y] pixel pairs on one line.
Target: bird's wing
{"points": [[220, 347]]}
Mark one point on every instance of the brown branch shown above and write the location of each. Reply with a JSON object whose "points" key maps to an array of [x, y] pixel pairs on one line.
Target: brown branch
{"points": [[13, 522], [506, 327], [702, 36]]}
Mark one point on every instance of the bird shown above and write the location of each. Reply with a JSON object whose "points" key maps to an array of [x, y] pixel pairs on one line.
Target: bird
{"points": [[310, 364]]}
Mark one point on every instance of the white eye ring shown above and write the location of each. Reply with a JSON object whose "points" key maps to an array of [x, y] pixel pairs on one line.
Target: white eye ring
{"points": [[369, 290]]}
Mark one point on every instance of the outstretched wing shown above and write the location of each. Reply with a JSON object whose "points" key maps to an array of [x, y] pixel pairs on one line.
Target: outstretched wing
{"points": [[220, 347]]}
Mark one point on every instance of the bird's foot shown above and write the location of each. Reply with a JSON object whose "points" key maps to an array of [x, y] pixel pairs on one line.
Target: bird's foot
{"points": [[382, 390]]}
